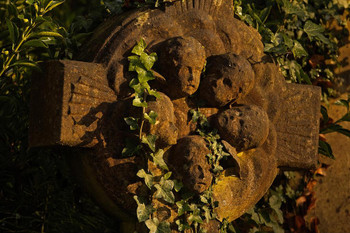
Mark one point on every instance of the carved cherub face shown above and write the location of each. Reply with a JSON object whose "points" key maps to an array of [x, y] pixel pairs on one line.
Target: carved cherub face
{"points": [[244, 127], [228, 77], [188, 160], [181, 61]]}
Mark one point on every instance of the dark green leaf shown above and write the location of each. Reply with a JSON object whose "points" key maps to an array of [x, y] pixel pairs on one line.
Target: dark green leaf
{"points": [[132, 148], [325, 149], [324, 114], [13, 29], [183, 207], [26, 63], [178, 185], [315, 31], [36, 43], [344, 103], [132, 122]]}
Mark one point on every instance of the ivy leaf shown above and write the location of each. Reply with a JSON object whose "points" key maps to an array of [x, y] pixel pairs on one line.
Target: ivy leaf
{"points": [[134, 61], [182, 226], [148, 60], [143, 211], [298, 50], [144, 76], [150, 140], [291, 9], [159, 160], [164, 190], [158, 227], [178, 185], [207, 213], [315, 31], [132, 122], [138, 102], [154, 93], [183, 207], [287, 40], [139, 48], [131, 148], [167, 175], [147, 177], [151, 117]]}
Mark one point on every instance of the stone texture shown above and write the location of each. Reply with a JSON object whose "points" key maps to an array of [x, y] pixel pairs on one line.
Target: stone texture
{"points": [[67, 103]]}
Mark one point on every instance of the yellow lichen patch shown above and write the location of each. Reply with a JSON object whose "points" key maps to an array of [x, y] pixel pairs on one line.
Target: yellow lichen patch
{"points": [[223, 193], [142, 19], [245, 153]]}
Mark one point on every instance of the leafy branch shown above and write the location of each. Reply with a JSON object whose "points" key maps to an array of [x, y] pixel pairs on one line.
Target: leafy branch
{"points": [[28, 35]]}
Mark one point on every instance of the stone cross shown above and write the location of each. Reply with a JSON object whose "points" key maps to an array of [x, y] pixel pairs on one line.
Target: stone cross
{"points": [[81, 104]]}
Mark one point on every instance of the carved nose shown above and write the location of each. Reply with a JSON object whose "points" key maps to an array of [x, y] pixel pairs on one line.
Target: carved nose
{"points": [[198, 171]]}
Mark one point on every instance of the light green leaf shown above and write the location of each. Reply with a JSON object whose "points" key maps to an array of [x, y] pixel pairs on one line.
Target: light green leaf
{"points": [[147, 177], [151, 117], [158, 227], [148, 60], [45, 34], [144, 76], [138, 102], [158, 159], [143, 211], [139, 48], [164, 190], [52, 5], [298, 50], [150, 140]]}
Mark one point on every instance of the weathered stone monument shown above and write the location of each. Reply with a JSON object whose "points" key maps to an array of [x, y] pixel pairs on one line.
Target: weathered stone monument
{"points": [[271, 123]]}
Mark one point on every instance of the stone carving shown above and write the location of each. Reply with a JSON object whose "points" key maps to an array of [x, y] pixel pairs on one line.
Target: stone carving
{"points": [[82, 104]]}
